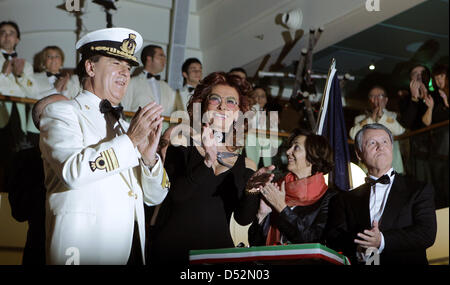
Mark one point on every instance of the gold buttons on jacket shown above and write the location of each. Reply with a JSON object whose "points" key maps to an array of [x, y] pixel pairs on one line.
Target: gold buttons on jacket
{"points": [[132, 194]]}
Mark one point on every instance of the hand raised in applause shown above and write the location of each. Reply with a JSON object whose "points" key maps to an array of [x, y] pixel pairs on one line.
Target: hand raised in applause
{"points": [[260, 178], [275, 196], [414, 87], [18, 65], [370, 238], [144, 129], [149, 148], [428, 100], [61, 83], [209, 144], [444, 97]]}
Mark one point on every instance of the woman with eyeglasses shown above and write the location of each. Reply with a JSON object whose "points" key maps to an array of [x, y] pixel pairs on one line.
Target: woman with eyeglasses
{"points": [[209, 177], [51, 79]]}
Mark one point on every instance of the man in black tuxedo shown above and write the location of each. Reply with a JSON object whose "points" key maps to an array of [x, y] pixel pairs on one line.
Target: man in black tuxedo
{"points": [[392, 213]]}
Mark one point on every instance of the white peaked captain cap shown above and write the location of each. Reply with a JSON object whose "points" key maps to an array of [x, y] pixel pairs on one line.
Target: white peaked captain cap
{"points": [[120, 43]]}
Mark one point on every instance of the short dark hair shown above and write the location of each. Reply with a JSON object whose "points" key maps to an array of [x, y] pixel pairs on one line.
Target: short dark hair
{"points": [[238, 69], [439, 68], [13, 24], [148, 51], [188, 62], [378, 87], [318, 151], [426, 74], [374, 126]]}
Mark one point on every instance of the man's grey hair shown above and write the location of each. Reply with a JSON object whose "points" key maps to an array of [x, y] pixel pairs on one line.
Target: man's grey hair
{"points": [[375, 126]]}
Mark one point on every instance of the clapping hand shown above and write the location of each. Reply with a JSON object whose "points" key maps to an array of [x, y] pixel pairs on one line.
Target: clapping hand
{"points": [[275, 196], [145, 131], [210, 145], [415, 86], [370, 238], [444, 97], [428, 100], [61, 83], [18, 65], [260, 178]]}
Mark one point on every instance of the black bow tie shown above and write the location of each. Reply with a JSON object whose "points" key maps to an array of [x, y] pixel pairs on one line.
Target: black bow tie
{"points": [[8, 55], [190, 89], [106, 107], [57, 75], [383, 179], [157, 77]]}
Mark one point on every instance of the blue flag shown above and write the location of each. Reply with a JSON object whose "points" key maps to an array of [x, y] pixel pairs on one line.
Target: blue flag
{"points": [[331, 124]]}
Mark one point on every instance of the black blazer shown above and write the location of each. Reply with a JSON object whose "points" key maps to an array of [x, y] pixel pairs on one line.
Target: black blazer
{"points": [[303, 224], [408, 223]]}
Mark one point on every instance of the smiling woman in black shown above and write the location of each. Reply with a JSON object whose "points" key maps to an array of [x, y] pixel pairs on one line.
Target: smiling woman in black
{"points": [[209, 178]]}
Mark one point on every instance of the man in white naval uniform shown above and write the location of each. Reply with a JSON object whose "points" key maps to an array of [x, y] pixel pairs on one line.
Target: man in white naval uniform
{"points": [[379, 114], [16, 74], [98, 169], [147, 86]]}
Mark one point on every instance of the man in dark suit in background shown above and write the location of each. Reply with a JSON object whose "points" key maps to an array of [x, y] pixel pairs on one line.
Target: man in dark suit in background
{"points": [[392, 213]]}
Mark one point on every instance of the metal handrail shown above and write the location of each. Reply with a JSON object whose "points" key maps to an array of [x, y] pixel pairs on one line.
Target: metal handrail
{"points": [[267, 132]]}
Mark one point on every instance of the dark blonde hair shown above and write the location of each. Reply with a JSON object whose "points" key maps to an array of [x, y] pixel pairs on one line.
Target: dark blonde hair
{"points": [[45, 51]]}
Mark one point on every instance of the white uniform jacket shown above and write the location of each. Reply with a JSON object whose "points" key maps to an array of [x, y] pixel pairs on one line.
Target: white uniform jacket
{"points": [[43, 88], [96, 184], [140, 93], [18, 87], [389, 120]]}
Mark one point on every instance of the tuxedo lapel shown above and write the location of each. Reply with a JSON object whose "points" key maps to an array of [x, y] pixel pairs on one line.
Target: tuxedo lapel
{"points": [[394, 203], [362, 212]]}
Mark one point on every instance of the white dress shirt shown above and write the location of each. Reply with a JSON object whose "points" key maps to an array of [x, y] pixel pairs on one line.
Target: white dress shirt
{"points": [[154, 84], [379, 194]]}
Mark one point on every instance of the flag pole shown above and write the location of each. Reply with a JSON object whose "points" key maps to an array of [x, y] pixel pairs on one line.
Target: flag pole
{"points": [[324, 104]]}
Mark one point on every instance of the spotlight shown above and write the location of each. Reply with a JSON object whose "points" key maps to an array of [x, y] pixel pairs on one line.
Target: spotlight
{"points": [[372, 66], [293, 19]]}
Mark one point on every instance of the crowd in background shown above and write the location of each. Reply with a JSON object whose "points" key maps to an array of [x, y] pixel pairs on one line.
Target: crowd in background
{"points": [[275, 219]]}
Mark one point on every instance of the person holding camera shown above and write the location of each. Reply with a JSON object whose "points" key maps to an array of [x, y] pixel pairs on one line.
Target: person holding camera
{"points": [[415, 107]]}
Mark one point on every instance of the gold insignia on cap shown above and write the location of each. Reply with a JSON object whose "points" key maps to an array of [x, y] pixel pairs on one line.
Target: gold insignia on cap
{"points": [[107, 160], [129, 45], [29, 83], [390, 120]]}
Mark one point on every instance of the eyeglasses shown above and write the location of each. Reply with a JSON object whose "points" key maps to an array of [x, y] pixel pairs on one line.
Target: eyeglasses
{"points": [[216, 100], [382, 95]]}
